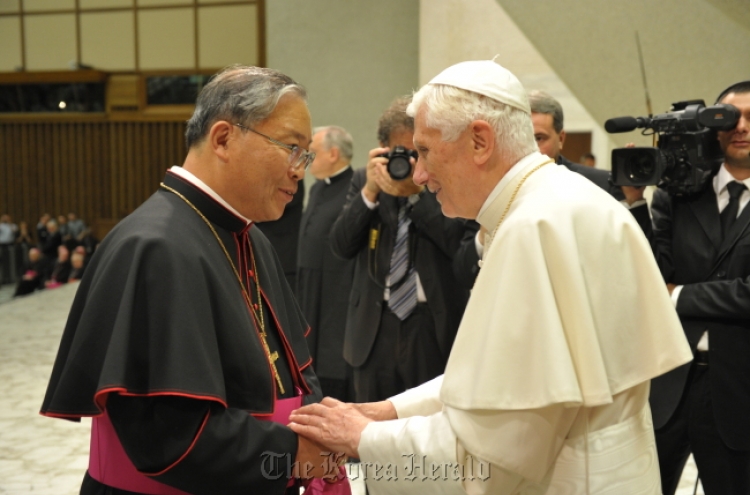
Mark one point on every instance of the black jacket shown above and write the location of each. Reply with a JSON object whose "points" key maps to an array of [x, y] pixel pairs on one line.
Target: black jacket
{"points": [[435, 239], [689, 249]]}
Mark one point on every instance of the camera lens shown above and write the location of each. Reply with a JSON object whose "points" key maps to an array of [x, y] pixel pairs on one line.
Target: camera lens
{"points": [[399, 167], [640, 168]]}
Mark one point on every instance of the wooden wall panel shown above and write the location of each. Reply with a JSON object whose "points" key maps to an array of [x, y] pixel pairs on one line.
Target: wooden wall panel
{"points": [[100, 170]]}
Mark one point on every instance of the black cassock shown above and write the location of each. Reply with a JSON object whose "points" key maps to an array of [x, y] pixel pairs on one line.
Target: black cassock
{"points": [[324, 283], [160, 334]]}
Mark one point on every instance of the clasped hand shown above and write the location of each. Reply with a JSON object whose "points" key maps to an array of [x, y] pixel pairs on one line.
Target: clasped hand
{"points": [[338, 425]]}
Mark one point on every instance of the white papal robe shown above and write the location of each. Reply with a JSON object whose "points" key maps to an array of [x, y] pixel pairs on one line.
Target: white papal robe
{"points": [[546, 388]]}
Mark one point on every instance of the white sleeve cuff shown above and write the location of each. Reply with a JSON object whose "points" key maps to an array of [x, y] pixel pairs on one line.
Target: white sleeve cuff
{"points": [[676, 294], [369, 203], [423, 400]]}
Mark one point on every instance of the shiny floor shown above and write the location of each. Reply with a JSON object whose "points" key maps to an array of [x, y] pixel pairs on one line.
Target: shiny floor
{"points": [[49, 456]]}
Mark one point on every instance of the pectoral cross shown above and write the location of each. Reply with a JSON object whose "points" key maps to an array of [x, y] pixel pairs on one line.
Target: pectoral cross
{"points": [[272, 358]]}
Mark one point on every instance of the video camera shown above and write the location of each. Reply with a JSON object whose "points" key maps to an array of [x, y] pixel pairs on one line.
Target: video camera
{"points": [[399, 166], [687, 152]]}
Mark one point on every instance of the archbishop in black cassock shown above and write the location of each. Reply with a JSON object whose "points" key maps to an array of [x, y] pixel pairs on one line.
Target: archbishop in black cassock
{"points": [[184, 337]]}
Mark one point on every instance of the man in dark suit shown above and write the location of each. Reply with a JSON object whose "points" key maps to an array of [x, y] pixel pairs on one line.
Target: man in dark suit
{"points": [[405, 304], [702, 245], [324, 281], [284, 235], [547, 118]]}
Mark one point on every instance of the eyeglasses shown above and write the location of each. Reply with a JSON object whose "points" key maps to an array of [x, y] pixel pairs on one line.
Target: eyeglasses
{"points": [[299, 159]]}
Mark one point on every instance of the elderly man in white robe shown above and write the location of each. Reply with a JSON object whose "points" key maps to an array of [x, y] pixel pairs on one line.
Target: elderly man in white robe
{"points": [[546, 388]]}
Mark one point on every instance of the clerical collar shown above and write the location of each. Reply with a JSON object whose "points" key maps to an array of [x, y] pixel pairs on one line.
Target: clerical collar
{"points": [[188, 176], [520, 164], [206, 202], [330, 178]]}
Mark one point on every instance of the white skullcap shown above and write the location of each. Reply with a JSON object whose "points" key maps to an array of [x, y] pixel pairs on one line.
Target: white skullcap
{"points": [[486, 78]]}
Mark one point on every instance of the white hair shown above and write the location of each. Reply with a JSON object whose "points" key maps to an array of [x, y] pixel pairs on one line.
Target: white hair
{"points": [[450, 110], [337, 137]]}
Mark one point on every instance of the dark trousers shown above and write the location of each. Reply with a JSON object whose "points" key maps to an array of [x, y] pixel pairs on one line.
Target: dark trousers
{"points": [[341, 389], [723, 471], [405, 354]]}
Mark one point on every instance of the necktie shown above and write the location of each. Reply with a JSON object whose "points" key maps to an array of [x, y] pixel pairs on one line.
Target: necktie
{"points": [[729, 213], [403, 298]]}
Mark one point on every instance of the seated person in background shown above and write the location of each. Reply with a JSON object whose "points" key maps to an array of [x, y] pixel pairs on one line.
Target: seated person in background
{"points": [[88, 241], [52, 240], [34, 274], [24, 242], [61, 269], [77, 264], [41, 228]]}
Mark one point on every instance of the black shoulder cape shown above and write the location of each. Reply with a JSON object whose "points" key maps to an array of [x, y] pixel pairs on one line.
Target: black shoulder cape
{"points": [[160, 312]]}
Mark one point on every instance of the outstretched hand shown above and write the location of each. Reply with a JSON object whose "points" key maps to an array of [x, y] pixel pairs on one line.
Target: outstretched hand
{"points": [[334, 424]]}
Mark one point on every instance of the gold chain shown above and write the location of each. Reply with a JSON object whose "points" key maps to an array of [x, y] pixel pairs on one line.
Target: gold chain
{"points": [[257, 315], [513, 196]]}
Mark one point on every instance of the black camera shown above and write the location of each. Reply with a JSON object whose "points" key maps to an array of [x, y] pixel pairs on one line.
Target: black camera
{"points": [[399, 166], [687, 152]]}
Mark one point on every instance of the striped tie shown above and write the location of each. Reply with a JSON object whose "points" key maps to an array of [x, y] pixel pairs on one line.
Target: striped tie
{"points": [[403, 298]]}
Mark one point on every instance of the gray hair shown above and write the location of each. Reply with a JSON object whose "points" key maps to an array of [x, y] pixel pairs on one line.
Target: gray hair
{"points": [[337, 137], [542, 102], [238, 94], [450, 110]]}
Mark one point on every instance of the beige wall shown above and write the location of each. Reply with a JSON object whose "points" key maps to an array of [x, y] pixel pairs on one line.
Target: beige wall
{"points": [[354, 57], [444, 38], [692, 49], [584, 52]]}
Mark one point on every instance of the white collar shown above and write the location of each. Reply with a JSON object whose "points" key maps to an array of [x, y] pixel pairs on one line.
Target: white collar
{"points": [[188, 176], [327, 180], [520, 164], [723, 178]]}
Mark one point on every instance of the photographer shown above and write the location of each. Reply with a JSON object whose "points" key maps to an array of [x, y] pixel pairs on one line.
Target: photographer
{"points": [[702, 245], [405, 304]]}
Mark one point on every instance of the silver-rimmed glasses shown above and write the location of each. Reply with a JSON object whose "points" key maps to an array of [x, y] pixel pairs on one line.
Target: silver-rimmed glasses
{"points": [[298, 157]]}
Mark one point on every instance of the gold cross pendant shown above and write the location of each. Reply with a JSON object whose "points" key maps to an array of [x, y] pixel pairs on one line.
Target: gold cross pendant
{"points": [[274, 356]]}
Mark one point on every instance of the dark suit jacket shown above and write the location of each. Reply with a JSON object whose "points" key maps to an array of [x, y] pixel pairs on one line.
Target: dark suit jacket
{"points": [[284, 235], [435, 240], [715, 273], [324, 281]]}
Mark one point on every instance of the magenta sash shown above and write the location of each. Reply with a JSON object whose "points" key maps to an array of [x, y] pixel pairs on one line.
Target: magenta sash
{"points": [[110, 465]]}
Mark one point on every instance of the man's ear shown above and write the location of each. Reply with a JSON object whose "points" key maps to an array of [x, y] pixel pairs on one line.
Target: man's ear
{"points": [[335, 153], [482, 141], [562, 139], [219, 138]]}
